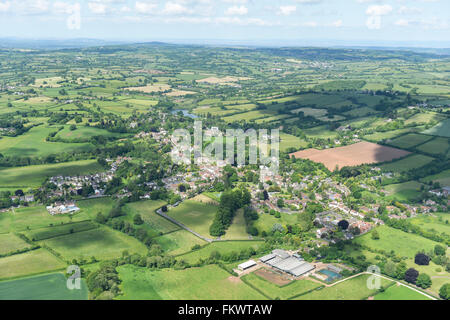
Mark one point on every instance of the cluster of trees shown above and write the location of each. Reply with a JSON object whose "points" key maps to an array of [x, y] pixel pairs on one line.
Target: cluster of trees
{"points": [[124, 226], [230, 202]]}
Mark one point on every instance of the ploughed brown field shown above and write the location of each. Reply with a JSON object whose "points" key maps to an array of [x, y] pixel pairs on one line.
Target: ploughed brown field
{"points": [[352, 155]]}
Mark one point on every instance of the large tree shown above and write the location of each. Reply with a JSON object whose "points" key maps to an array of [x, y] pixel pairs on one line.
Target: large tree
{"points": [[422, 259], [411, 275], [423, 281], [444, 291]]}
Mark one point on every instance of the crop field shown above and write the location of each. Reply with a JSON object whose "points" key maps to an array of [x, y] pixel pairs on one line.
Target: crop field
{"points": [[178, 242], [32, 143], [294, 288], [352, 289], [442, 129], [397, 292], [31, 262], [352, 155], [403, 244], [223, 247], [249, 116], [33, 176], [412, 162], [409, 140], [84, 245], [206, 283], [11, 243], [46, 287], [437, 146], [195, 215]]}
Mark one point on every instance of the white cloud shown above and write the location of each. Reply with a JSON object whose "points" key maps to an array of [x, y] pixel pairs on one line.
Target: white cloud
{"points": [[145, 7], [379, 10], [287, 10], [4, 6], [237, 11], [173, 8], [97, 7], [375, 12]]}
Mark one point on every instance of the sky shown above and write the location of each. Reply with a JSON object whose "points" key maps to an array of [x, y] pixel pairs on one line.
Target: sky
{"points": [[264, 21]]}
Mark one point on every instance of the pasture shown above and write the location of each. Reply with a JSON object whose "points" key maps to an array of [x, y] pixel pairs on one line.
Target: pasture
{"points": [[406, 191], [443, 178], [155, 222], [31, 262], [45, 287], [178, 242], [412, 162], [352, 155], [437, 146], [398, 292], [102, 243], [32, 143], [11, 243], [410, 140], [195, 215], [34, 176], [402, 243], [352, 289], [205, 283], [442, 129]]}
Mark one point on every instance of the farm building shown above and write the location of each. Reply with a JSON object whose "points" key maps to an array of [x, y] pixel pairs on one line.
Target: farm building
{"points": [[283, 261], [246, 265]]}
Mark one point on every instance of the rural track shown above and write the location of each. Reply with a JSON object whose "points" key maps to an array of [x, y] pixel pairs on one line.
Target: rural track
{"points": [[159, 211]]}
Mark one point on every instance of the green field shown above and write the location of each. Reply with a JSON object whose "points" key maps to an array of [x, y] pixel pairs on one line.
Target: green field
{"points": [[442, 129], [157, 224], [84, 133], [402, 243], [286, 292], [46, 287], [178, 242], [206, 283], [400, 293], [195, 215], [34, 176], [59, 230], [11, 243], [223, 247], [32, 143], [237, 230], [443, 178], [410, 140], [32, 262], [411, 162], [352, 289], [267, 221], [407, 191], [288, 141], [437, 146], [102, 243], [439, 222]]}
